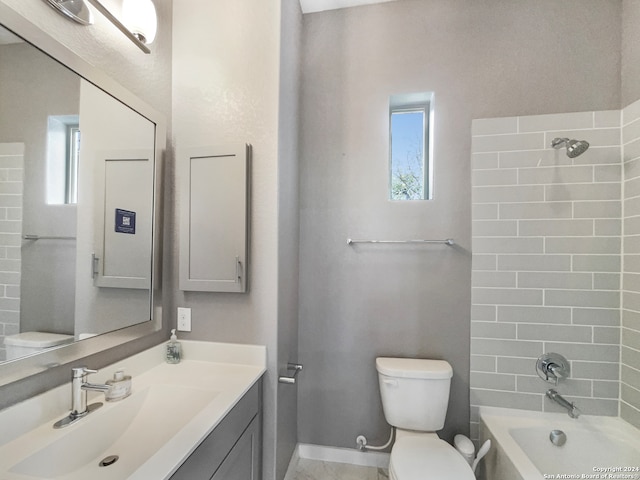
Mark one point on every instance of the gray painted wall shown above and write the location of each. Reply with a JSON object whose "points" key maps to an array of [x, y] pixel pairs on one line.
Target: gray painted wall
{"points": [[235, 77], [630, 51], [482, 59], [288, 228]]}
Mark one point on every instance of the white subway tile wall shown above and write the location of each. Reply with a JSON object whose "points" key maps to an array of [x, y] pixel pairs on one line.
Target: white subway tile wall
{"points": [[547, 248], [11, 186], [630, 334]]}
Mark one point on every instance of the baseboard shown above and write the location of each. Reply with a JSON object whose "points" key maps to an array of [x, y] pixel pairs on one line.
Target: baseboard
{"points": [[342, 455]]}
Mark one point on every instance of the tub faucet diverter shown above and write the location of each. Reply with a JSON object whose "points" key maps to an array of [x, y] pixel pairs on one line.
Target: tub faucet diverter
{"points": [[552, 367]]}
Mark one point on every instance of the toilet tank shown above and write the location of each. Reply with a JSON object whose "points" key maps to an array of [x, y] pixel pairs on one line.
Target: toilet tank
{"points": [[415, 392]]}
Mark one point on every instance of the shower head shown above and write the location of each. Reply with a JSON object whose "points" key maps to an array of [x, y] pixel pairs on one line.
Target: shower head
{"points": [[574, 147]]}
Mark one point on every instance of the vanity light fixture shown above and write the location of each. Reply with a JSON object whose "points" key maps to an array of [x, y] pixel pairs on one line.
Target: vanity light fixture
{"points": [[142, 17], [76, 10]]}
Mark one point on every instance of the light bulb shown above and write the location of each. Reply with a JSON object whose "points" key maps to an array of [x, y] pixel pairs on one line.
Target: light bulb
{"points": [[139, 16]]}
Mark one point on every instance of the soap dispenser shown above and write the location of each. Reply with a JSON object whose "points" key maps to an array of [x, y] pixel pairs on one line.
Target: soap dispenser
{"points": [[119, 387], [174, 350]]}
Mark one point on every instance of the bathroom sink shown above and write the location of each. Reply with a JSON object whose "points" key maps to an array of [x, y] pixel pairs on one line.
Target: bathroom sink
{"points": [[148, 435], [123, 435]]}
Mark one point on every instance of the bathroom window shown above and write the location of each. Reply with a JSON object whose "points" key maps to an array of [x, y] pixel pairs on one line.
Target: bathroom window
{"points": [[63, 149], [410, 141]]}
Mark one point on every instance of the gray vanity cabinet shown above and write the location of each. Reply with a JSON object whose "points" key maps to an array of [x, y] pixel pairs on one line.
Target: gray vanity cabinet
{"points": [[233, 451], [243, 461]]}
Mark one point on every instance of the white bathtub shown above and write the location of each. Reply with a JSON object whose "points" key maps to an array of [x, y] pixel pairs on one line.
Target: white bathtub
{"points": [[596, 447]]}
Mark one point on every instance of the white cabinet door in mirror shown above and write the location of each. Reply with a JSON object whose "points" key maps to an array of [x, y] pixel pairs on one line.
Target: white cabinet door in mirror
{"points": [[123, 218], [214, 219]]}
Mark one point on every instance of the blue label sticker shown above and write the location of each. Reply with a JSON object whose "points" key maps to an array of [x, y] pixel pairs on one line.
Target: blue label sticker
{"points": [[125, 221]]}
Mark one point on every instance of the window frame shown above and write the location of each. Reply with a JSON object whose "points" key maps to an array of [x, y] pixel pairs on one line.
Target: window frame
{"points": [[72, 162], [406, 103], [62, 159]]}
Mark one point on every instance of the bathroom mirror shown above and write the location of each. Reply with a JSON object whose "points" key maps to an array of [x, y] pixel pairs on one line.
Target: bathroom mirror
{"points": [[79, 218]]}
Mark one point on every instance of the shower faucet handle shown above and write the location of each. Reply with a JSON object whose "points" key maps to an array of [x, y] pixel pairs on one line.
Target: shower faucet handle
{"points": [[552, 367], [557, 371]]}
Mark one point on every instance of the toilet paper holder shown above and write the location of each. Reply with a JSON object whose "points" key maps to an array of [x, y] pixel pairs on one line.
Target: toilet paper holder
{"points": [[291, 379]]}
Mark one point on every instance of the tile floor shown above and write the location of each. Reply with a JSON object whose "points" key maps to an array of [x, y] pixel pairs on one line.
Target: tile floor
{"points": [[303, 469]]}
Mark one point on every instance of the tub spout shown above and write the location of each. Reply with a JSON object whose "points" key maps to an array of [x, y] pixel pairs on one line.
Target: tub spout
{"points": [[572, 410]]}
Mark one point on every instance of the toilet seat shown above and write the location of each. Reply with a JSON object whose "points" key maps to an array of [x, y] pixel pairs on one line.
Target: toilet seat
{"points": [[427, 458]]}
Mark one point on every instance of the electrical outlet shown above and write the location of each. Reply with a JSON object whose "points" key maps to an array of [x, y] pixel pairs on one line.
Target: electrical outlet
{"points": [[184, 319]]}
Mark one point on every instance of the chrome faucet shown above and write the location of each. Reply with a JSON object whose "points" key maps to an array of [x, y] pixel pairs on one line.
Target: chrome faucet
{"points": [[79, 388], [572, 410]]}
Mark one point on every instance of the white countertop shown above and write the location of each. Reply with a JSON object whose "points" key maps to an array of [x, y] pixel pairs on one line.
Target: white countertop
{"points": [[226, 370]]}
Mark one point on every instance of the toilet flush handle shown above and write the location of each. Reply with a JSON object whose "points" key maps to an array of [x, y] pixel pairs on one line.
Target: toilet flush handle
{"points": [[390, 382]]}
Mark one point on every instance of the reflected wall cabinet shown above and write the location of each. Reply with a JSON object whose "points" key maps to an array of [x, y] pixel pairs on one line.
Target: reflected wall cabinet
{"points": [[213, 185], [124, 201]]}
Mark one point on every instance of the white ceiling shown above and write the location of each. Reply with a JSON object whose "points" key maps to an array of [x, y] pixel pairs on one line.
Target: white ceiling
{"points": [[310, 6]]}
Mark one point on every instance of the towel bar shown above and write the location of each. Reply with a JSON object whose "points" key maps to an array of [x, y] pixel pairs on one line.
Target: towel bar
{"points": [[446, 241]]}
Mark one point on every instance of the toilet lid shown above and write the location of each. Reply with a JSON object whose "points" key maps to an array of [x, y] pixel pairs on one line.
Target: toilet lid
{"points": [[37, 339], [424, 458]]}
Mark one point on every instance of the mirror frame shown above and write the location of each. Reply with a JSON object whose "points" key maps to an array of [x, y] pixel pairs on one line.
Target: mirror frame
{"points": [[19, 369]]}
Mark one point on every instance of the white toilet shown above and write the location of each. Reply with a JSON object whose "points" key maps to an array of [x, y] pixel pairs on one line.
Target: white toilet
{"points": [[27, 343], [415, 397]]}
